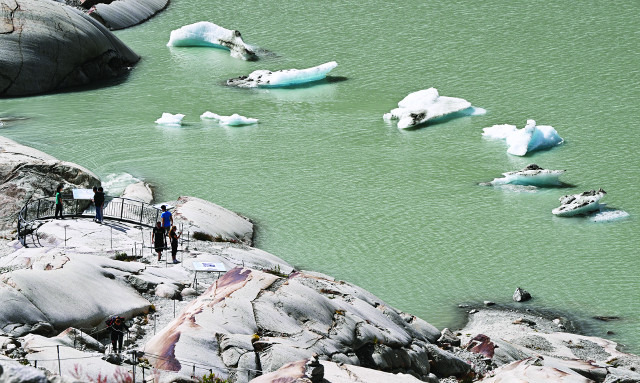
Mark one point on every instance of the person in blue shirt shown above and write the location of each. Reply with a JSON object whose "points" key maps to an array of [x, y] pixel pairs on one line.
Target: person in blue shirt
{"points": [[167, 219]]}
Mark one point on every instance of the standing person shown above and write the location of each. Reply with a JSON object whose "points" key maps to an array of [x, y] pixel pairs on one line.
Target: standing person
{"points": [[58, 202], [98, 199], [118, 327], [173, 236], [158, 239], [167, 219]]}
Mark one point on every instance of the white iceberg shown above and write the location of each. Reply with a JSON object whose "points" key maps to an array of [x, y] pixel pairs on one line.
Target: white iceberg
{"points": [[531, 175], [528, 139], [233, 120], [281, 78], [170, 119], [206, 34], [424, 105], [579, 204]]}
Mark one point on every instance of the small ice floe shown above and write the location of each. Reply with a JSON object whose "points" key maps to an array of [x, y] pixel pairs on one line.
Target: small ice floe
{"points": [[528, 139], [282, 78], [233, 120], [206, 34], [424, 105], [579, 204], [609, 215], [531, 175], [170, 119]]}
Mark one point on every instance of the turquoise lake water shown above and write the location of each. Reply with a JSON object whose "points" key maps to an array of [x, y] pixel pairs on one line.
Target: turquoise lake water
{"points": [[334, 188]]}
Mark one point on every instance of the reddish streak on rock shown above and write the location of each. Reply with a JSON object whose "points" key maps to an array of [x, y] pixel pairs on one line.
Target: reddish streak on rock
{"points": [[289, 373], [164, 343], [482, 344]]}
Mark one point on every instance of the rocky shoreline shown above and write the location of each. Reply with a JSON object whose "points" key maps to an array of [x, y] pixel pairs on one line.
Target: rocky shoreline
{"points": [[260, 321]]}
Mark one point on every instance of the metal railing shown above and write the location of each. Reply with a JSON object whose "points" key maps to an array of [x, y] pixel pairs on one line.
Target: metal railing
{"points": [[115, 208]]}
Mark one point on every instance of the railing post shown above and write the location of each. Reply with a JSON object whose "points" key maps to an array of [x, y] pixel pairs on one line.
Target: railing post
{"points": [[76, 208], [141, 212], [38, 211], [121, 207]]}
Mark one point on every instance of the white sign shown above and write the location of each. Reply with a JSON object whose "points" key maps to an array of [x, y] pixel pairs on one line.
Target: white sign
{"points": [[82, 193], [209, 266]]}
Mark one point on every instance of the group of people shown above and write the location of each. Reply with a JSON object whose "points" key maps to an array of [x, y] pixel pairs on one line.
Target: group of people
{"points": [[164, 229]]}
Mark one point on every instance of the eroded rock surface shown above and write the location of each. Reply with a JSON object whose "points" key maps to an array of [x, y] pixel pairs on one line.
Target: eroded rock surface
{"points": [[47, 46], [293, 317], [125, 13]]}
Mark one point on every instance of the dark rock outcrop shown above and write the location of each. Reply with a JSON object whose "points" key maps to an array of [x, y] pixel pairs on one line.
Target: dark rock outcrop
{"points": [[46, 46], [27, 173]]}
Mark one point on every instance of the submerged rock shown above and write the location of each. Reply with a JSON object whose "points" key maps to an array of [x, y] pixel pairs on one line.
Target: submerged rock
{"points": [[206, 34], [579, 204], [426, 105], [47, 46], [283, 78]]}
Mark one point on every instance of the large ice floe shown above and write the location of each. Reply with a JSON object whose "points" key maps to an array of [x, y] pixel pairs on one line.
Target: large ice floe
{"points": [[579, 204], [425, 105], [170, 119], [206, 34], [282, 78], [531, 175], [233, 120], [528, 139]]}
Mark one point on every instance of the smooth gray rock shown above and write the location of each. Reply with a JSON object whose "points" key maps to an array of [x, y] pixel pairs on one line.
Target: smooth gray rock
{"points": [[140, 191], [446, 364], [47, 46], [126, 13]]}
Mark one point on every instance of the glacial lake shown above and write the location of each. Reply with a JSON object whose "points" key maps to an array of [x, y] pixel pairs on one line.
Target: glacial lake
{"points": [[335, 189]]}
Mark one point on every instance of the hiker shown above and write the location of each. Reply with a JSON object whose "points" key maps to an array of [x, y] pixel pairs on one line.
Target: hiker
{"points": [[118, 327], [173, 237], [167, 219], [58, 202], [158, 239], [98, 200]]}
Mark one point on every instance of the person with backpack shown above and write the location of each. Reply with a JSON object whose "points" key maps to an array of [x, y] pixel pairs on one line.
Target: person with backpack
{"points": [[118, 328]]}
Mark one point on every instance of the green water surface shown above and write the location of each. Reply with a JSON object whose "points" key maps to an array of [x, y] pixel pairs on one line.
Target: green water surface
{"points": [[333, 188]]}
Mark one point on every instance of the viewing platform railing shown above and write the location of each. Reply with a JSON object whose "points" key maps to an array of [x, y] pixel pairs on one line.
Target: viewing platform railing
{"points": [[115, 208]]}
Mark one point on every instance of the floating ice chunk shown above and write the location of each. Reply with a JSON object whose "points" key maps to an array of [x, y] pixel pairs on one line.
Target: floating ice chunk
{"points": [[170, 119], [579, 204], [209, 34], [233, 120], [424, 105], [528, 139], [287, 77], [499, 132], [532, 175], [608, 215]]}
